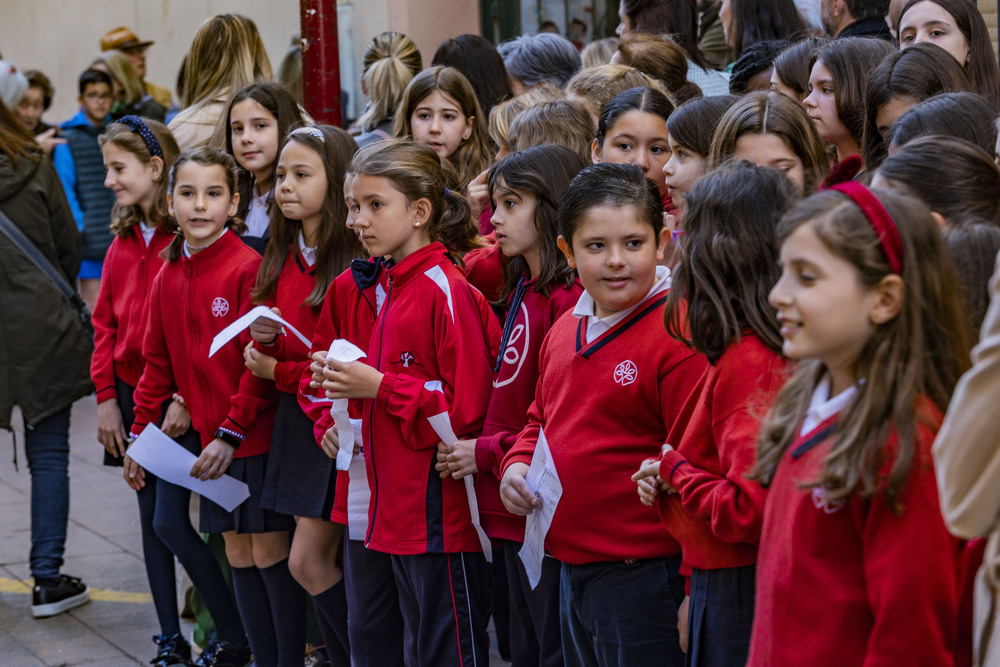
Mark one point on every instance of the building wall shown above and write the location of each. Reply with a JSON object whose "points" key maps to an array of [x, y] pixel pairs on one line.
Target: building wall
{"points": [[62, 37]]}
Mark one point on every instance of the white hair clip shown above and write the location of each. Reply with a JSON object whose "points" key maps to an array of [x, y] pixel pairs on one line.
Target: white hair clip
{"points": [[311, 130]]}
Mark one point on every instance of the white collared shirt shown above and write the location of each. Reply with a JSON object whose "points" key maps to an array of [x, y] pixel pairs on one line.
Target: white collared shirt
{"points": [[257, 217], [147, 232], [822, 407], [186, 249], [596, 326], [308, 254]]}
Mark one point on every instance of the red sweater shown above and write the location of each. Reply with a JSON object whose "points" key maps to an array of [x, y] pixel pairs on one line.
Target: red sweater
{"points": [[513, 390], [120, 313], [606, 406], [295, 283], [192, 300], [484, 269], [853, 583], [716, 513], [349, 312], [434, 330]]}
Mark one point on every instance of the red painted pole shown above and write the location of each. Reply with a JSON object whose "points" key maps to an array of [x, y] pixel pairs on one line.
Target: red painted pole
{"points": [[320, 60]]}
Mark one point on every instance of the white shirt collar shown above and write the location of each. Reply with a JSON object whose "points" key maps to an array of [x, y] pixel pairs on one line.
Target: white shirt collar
{"points": [[185, 248], [585, 307], [258, 218], [308, 254], [822, 407], [147, 232]]}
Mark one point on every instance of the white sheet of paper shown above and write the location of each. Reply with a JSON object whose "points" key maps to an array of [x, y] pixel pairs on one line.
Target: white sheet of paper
{"points": [[358, 497], [544, 482], [441, 424], [344, 351], [160, 455], [240, 325]]}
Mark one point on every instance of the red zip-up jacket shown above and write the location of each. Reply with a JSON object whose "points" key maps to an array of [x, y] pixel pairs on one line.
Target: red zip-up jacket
{"points": [[120, 313], [852, 582], [606, 406], [716, 513], [435, 340], [532, 315], [349, 312], [192, 300]]}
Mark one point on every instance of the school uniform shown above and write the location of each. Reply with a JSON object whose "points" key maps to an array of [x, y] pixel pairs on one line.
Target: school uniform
{"points": [[534, 630], [434, 340], [375, 623], [716, 513], [851, 582], [300, 479], [212, 289], [619, 587]]}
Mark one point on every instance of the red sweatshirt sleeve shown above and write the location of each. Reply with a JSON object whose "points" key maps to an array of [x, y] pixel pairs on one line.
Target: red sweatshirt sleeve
{"points": [[102, 365], [287, 375], [465, 346], [157, 381], [910, 573]]}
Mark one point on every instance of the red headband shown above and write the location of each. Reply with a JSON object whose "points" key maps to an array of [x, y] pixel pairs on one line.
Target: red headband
{"points": [[881, 221]]}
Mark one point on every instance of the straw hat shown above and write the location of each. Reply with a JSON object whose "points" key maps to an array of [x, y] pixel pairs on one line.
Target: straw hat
{"points": [[122, 38]]}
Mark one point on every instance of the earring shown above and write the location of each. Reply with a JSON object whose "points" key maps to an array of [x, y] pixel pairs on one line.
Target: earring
{"points": [[416, 224]]}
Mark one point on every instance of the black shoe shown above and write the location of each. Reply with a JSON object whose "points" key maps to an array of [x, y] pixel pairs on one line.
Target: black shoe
{"points": [[219, 653], [51, 597], [173, 650]]}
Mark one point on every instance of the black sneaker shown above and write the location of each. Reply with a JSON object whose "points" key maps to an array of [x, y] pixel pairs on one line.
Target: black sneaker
{"points": [[173, 650], [51, 597], [220, 653]]}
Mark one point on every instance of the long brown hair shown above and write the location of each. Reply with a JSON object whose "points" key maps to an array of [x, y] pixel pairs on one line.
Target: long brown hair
{"points": [[14, 138], [125, 218], [917, 356], [336, 245]]}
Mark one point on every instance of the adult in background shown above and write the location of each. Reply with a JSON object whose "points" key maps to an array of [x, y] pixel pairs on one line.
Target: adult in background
{"points": [[44, 352], [124, 40], [532, 60], [855, 18]]}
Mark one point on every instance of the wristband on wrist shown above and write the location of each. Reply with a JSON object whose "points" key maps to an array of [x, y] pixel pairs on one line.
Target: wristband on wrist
{"points": [[180, 399], [231, 438]]}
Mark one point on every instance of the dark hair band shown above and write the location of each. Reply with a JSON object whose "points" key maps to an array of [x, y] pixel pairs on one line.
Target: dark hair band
{"points": [[139, 125], [881, 221]]}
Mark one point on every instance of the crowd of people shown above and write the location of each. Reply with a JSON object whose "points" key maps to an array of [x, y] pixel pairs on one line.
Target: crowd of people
{"points": [[722, 272]]}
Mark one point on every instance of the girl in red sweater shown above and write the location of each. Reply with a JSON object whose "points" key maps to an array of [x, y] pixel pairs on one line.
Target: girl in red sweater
{"points": [[431, 352], [138, 155], [866, 301], [309, 246], [718, 306], [610, 387], [206, 285], [539, 286]]}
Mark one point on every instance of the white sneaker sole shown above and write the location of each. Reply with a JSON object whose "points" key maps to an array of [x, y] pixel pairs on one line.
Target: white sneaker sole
{"points": [[54, 608]]}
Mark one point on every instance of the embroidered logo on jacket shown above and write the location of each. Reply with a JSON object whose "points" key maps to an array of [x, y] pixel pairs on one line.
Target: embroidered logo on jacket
{"points": [[626, 373], [220, 307], [823, 503], [406, 358]]}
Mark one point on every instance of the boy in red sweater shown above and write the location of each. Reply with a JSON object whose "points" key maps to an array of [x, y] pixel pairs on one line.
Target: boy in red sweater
{"points": [[619, 585]]}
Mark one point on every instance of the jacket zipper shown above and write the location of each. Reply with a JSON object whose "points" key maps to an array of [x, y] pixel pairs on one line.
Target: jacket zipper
{"points": [[371, 413]]}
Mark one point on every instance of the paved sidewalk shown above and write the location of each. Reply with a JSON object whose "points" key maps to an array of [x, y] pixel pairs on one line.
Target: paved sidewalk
{"points": [[103, 547]]}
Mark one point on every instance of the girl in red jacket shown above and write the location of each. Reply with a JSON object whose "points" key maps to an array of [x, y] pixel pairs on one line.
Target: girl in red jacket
{"points": [[138, 155], [866, 300], [610, 386], [538, 287], [309, 247], [718, 306], [431, 352], [204, 286]]}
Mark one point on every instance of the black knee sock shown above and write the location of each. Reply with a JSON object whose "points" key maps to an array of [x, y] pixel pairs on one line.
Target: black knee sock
{"points": [[288, 609], [159, 562], [255, 610], [331, 613]]}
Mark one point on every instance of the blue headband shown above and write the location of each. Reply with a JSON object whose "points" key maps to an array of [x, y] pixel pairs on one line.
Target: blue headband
{"points": [[139, 125]]}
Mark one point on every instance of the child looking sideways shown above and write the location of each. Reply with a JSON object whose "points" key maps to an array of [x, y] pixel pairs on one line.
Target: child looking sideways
{"points": [[619, 582]]}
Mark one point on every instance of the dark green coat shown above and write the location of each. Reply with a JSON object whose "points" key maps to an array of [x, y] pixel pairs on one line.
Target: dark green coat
{"points": [[44, 353]]}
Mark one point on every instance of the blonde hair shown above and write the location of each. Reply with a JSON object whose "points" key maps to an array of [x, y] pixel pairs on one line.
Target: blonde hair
{"points": [[504, 113], [600, 84], [226, 54], [599, 52], [124, 218], [120, 68], [472, 155], [562, 122], [390, 63]]}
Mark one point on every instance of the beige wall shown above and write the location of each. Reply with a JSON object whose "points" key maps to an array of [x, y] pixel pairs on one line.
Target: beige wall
{"points": [[61, 37]]}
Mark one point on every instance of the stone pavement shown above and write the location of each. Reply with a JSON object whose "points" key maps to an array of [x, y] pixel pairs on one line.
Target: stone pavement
{"points": [[103, 548]]}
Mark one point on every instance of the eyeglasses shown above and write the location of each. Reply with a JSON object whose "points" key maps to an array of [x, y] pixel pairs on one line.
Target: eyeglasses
{"points": [[103, 97]]}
